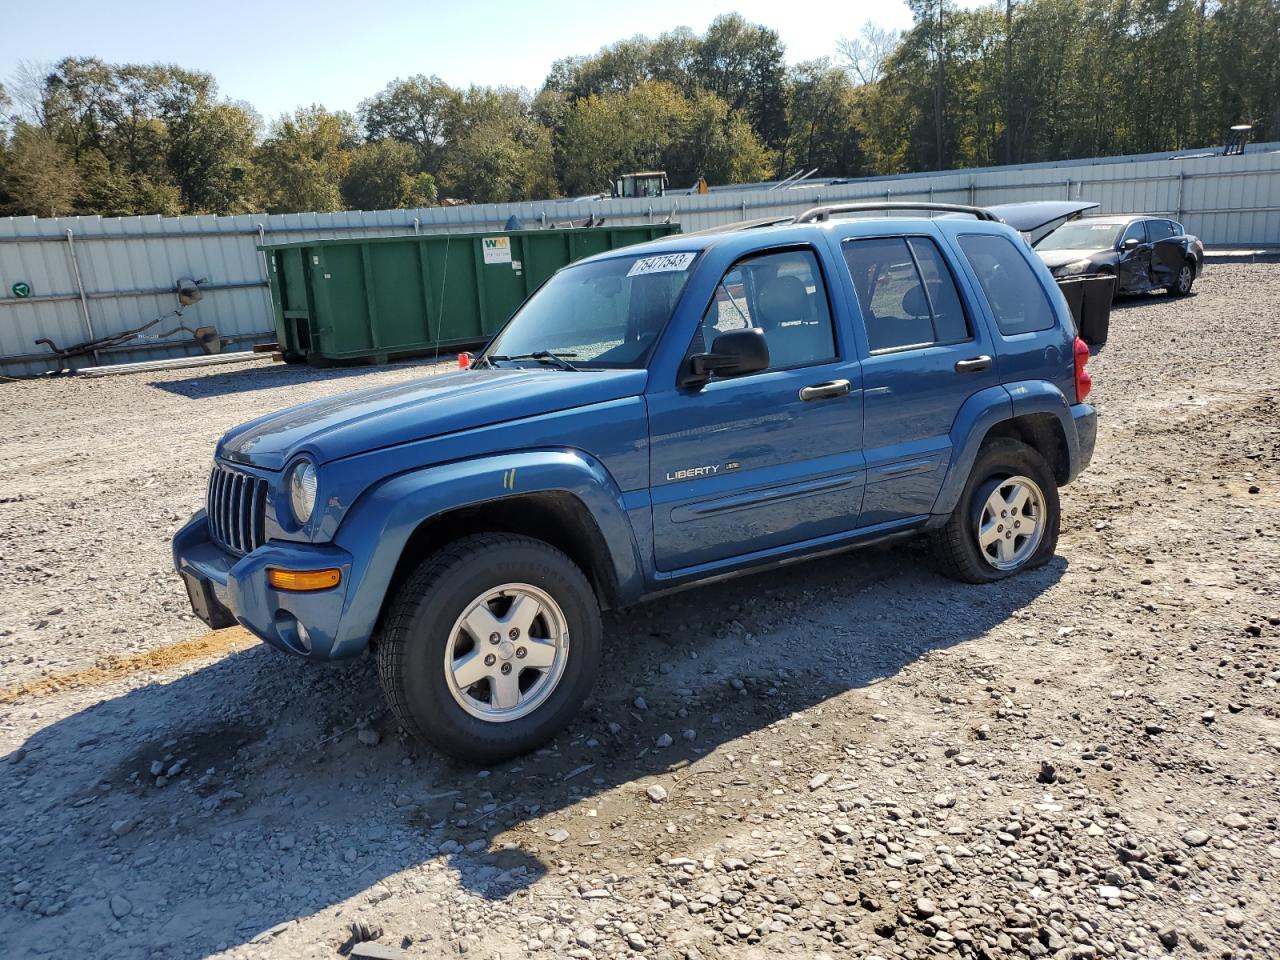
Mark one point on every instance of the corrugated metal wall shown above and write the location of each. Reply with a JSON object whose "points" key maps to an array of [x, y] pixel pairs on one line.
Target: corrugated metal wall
{"points": [[128, 266]]}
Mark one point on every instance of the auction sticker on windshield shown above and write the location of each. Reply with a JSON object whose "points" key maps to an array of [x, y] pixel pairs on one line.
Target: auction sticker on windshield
{"points": [[666, 263]]}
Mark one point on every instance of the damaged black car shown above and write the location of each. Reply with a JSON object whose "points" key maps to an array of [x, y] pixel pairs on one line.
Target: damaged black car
{"points": [[1143, 253]]}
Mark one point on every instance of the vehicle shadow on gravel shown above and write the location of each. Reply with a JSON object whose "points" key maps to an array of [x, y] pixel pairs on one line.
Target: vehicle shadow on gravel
{"points": [[248, 379], [294, 791]]}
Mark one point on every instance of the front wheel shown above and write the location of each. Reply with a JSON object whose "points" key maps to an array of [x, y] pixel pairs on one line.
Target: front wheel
{"points": [[1007, 519], [490, 647]]}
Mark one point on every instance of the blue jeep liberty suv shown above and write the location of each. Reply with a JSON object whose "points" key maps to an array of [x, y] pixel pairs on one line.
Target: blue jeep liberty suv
{"points": [[653, 417]]}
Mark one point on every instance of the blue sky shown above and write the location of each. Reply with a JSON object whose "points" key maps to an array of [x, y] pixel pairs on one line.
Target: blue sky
{"points": [[280, 55]]}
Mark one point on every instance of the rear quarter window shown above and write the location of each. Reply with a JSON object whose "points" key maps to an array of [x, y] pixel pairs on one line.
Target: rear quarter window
{"points": [[1013, 291]]}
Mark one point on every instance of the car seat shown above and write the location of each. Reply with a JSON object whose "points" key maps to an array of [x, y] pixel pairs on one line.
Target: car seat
{"points": [[784, 312], [913, 326]]}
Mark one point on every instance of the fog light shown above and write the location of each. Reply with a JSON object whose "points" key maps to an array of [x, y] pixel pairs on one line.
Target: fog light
{"points": [[300, 581]]}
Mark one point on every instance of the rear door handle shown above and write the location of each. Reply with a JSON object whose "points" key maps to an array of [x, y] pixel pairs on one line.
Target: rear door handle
{"points": [[823, 391], [973, 365]]}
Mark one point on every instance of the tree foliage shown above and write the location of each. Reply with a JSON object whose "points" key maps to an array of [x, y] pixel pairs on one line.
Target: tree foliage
{"points": [[383, 176], [302, 163], [1004, 82]]}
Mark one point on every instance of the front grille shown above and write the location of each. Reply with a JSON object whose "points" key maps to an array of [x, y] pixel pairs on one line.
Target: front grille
{"points": [[237, 506]]}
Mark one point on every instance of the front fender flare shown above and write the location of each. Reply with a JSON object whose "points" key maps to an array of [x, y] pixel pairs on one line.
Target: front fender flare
{"points": [[378, 526]]}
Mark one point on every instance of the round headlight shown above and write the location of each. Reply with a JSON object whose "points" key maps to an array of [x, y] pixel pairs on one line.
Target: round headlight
{"points": [[302, 490]]}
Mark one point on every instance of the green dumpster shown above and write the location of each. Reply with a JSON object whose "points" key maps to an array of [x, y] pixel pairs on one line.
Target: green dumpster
{"points": [[348, 300]]}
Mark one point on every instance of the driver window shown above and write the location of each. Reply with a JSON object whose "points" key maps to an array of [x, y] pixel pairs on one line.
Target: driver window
{"points": [[1137, 231], [781, 293]]}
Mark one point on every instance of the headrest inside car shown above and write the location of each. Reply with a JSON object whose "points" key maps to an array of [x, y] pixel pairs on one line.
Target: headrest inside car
{"points": [[915, 303], [782, 300]]}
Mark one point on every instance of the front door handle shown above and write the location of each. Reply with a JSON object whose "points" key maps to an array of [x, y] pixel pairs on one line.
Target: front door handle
{"points": [[822, 391], [973, 365]]}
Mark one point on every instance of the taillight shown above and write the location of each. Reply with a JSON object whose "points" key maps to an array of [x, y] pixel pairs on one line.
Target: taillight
{"points": [[1084, 382]]}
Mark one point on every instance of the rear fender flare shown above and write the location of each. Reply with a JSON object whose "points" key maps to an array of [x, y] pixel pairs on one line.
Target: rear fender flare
{"points": [[1042, 397], [987, 409], [379, 525]]}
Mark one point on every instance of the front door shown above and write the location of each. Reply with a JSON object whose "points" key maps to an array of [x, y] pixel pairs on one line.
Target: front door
{"points": [[926, 357], [757, 462], [1135, 264]]}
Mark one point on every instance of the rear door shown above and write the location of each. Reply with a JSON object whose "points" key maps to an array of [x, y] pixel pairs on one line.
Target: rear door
{"points": [[1016, 291], [925, 356], [753, 463], [1167, 252]]}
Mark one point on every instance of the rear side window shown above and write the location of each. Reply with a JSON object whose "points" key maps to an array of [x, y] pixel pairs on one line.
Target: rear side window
{"points": [[1160, 230], [906, 293], [1013, 291]]}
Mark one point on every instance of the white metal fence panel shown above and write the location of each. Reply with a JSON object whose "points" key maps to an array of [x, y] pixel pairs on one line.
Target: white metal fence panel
{"points": [[128, 266]]}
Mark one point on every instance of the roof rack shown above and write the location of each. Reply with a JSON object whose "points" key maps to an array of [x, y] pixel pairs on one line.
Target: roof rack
{"points": [[741, 225], [821, 214]]}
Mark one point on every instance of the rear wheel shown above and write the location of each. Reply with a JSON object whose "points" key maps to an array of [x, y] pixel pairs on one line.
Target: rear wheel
{"points": [[1183, 281], [490, 647], [1007, 519]]}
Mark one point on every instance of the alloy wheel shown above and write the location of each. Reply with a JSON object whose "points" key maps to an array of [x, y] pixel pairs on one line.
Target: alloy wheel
{"points": [[506, 652], [1011, 524]]}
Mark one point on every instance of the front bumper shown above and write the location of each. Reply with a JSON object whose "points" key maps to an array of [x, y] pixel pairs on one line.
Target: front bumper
{"points": [[225, 589]]}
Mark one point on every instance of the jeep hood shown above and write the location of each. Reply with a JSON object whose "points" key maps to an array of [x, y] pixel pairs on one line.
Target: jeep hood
{"points": [[352, 423]]}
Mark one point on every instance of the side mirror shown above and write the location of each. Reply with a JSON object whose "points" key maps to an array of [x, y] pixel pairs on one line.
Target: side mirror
{"points": [[1131, 244], [733, 354]]}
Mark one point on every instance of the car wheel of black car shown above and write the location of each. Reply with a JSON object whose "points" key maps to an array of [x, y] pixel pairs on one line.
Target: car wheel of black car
{"points": [[490, 646], [1183, 281], [1007, 518]]}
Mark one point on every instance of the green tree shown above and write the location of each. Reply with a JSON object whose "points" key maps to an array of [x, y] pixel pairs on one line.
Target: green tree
{"points": [[210, 155], [384, 176], [38, 177], [302, 163], [744, 64], [416, 111], [822, 121], [608, 134], [1245, 59], [716, 143], [739, 62], [497, 150]]}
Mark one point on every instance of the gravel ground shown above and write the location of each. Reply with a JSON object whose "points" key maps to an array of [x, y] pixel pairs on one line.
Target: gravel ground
{"points": [[848, 758]]}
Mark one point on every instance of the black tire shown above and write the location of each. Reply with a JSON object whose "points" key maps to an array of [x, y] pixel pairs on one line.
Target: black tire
{"points": [[956, 543], [1182, 283], [412, 644]]}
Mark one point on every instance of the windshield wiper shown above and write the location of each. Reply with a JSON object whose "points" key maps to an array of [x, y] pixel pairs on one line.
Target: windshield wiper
{"points": [[557, 359]]}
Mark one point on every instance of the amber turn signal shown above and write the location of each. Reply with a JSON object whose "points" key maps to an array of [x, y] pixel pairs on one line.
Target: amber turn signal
{"points": [[302, 580]]}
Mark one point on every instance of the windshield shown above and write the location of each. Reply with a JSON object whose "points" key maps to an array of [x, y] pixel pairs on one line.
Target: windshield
{"points": [[607, 313], [1082, 235]]}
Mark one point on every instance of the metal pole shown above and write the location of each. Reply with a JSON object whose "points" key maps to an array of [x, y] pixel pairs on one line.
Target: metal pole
{"points": [[84, 301]]}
